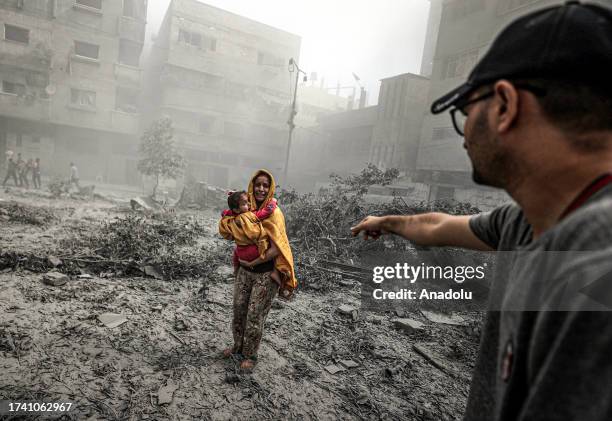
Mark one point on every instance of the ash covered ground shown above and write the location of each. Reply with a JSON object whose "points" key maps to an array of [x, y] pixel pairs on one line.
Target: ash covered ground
{"points": [[163, 278]]}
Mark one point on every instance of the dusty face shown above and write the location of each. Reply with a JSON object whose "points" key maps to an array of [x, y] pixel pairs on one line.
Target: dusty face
{"points": [[261, 187], [243, 203]]}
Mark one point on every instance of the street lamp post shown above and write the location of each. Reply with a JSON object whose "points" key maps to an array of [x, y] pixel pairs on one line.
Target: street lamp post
{"points": [[292, 67]]}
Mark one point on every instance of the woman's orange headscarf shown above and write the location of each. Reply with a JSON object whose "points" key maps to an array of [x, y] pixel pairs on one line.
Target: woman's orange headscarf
{"points": [[274, 225]]}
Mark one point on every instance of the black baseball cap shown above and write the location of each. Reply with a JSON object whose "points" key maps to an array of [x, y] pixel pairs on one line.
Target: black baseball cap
{"points": [[571, 42]]}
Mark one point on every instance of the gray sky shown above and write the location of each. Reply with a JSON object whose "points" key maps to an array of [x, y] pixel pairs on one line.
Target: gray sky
{"points": [[372, 38]]}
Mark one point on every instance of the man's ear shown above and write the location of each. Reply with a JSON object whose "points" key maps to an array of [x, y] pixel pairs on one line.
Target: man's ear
{"points": [[506, 105]]}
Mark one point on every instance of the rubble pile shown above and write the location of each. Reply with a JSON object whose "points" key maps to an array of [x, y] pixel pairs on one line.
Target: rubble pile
{"points": [[26, 214], [160, 245]]}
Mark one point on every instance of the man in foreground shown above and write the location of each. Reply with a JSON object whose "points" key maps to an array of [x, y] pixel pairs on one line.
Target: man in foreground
{"points": [[536, 114]]}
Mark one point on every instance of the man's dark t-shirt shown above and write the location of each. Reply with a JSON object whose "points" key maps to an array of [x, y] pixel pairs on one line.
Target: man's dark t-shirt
{"points": [[546, 365]]}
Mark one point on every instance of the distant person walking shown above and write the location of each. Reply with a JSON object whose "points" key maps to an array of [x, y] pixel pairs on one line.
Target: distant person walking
{"points": [[11, 171], [22, 171], [36, 173], [74, 176]]}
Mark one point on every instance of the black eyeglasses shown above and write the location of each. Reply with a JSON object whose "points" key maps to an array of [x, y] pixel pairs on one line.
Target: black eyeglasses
{"points": [[460, 118]]}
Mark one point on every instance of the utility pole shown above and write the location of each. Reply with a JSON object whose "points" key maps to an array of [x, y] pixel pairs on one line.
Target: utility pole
{"points": [[292, 67]]}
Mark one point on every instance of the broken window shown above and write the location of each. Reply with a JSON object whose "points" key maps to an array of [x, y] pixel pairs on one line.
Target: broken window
{"points": [[134, 9], [13, 88], [83, 98], [129, 52], [17, 34], [96, 4], [127, 100], [85, 49]]}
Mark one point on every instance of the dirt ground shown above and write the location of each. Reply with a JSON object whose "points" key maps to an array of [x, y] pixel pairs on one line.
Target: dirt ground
{"points": [[164, 362]]}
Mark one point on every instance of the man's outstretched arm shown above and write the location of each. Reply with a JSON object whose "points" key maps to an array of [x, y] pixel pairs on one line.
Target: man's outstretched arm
{"points": [[428, 229]]}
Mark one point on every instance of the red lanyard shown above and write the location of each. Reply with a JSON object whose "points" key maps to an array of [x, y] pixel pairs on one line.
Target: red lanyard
{"points": [[599, 183]]}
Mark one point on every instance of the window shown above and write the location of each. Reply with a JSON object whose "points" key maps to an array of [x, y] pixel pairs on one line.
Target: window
{"points": [[197, 40], [266, 59], [126, 100], [206, 123], [85, 49], [17, 34], [129, 52], [95, 4], [83, 98], [191, 38], [134, 9], [13, 88]]}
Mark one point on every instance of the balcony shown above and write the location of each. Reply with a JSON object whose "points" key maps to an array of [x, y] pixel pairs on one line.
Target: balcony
{"points": [[130, 28], [125, 122], [28, 108], [128, 74]]}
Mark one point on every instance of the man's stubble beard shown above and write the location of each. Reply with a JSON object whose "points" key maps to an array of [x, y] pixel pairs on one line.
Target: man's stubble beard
{"points": [[490, 166]]}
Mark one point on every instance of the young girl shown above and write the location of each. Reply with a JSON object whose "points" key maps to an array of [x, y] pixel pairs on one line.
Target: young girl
{"points": [[243, 226]]}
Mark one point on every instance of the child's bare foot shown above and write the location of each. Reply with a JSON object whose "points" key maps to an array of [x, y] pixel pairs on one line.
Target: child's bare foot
{"points": [[228, 352]]}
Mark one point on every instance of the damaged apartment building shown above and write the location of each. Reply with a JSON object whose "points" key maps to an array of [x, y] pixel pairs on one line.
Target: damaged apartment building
{"points": [[71, 76], [224, 81], [466, 30]]}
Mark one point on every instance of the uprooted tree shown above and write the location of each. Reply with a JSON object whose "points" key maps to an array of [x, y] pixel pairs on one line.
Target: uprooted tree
{"points": [[159, 156]]}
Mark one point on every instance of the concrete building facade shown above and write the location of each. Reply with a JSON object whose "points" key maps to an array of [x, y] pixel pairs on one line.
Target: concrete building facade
{"points": [[224, 81], [71, 82], [431, 37], [467, 29], [401, 107]]}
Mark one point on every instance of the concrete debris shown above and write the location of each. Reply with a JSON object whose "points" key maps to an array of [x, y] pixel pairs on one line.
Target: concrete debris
{"points": [[181, 325], [408, 325], [112, 320], [349, 363], [55, 278], [333, 368], [165, 393], [153, 272], [144, 203], [429, 356], [348, 310], [453, 319], [54, 261]]}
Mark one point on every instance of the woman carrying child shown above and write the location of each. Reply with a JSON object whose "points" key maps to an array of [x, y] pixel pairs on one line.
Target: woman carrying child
{"points": [[257, 280]]}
